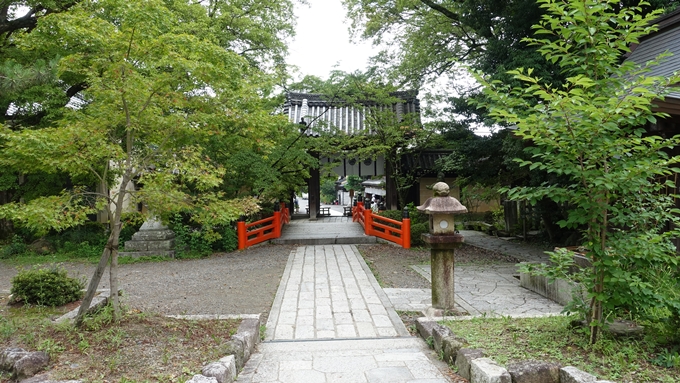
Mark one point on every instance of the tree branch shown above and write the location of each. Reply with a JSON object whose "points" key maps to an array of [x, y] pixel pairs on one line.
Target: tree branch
{"points": [[444, 11]]}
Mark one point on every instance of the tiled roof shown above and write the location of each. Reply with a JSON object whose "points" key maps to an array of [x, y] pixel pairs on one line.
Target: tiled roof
{"points": [[666, 39], [327, 114]]}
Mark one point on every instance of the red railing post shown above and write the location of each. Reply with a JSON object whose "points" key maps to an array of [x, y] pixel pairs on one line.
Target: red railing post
{"points": [[368, 221], [405, 229], [277, 224], [358, 209], [242, 234], [406, 233]]}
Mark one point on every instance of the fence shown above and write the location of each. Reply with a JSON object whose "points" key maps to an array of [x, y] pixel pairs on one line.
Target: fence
{"points": [[250, 234], [381, 227]]}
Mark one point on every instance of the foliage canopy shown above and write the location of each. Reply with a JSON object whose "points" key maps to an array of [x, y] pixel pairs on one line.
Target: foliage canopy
{"points": [[590, 131]]}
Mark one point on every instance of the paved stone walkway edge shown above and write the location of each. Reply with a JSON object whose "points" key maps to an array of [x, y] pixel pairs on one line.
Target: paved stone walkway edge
{"points": [[394, 317], [278, 299]]}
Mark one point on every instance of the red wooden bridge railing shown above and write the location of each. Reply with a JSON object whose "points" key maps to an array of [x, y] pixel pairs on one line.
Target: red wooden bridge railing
{"points": [[250, 234], [382, 227]]}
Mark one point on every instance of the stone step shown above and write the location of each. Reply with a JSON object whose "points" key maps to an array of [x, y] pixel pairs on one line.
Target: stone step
{"points": [[136, 245], [325, 241], [154, 253]]}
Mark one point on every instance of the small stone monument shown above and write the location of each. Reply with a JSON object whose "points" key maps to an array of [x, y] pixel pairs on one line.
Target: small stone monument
{"points": [[442, 240], [152, 239]]}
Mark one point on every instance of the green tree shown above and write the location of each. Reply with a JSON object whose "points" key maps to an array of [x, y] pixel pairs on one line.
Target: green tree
{"points": [[354, 183], [34, 92], [591, 132], [328, 193], [160, 90], [425, 39]]}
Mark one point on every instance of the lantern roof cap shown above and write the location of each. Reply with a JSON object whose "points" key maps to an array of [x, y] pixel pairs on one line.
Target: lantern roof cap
{"points": [[442, 203]]}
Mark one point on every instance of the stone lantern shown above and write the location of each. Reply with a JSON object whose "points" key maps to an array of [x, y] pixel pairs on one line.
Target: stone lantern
{"points": [[442, 240]]}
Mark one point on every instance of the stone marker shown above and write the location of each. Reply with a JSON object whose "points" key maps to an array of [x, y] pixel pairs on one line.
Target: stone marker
{"points": [[45, 378], [153, 238]]}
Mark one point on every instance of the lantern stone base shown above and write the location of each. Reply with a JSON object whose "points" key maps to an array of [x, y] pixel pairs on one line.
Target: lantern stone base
{"points": [[442, 248], [152, 239]]}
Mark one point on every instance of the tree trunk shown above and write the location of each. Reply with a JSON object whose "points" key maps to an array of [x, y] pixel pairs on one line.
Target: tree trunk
{"points": [[596, 311], [598, 274], [109, 249], [113, 274], [94, 282]]}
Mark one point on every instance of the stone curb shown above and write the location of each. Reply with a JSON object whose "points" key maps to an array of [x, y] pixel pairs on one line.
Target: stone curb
{"points": [[239, 348], [100, 300], [474, 366]]}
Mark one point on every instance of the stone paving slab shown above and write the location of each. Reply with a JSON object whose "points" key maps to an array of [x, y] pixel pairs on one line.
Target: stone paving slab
{"points": [[522, 251], [395, 360], [328, 292], [491, 290]]}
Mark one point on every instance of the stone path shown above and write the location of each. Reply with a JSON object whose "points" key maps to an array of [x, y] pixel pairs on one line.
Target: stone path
{"points": [[490, 290], [331, 322], [506, 246], [392, 360], [329, 292]]}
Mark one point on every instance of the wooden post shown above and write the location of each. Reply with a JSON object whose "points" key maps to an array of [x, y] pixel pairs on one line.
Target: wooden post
{"points": [[368, 221], [277, 224], [357, 209], [405, 229], [242, 237]]}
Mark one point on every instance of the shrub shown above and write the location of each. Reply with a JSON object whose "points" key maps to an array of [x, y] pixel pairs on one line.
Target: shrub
{"points": [[83, 241], [229, 240], [16, 247], [91, 233], [81, 250], [46, 287], [416, 231], [190, 239]]}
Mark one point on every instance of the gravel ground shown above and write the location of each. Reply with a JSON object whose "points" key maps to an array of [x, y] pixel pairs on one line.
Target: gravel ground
{"points": [[242, 282], [245, 282], [392, 265]]}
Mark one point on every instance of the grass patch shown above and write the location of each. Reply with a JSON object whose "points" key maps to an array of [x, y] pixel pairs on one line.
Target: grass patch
{"points": [[142, 347], [552, 339]]}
